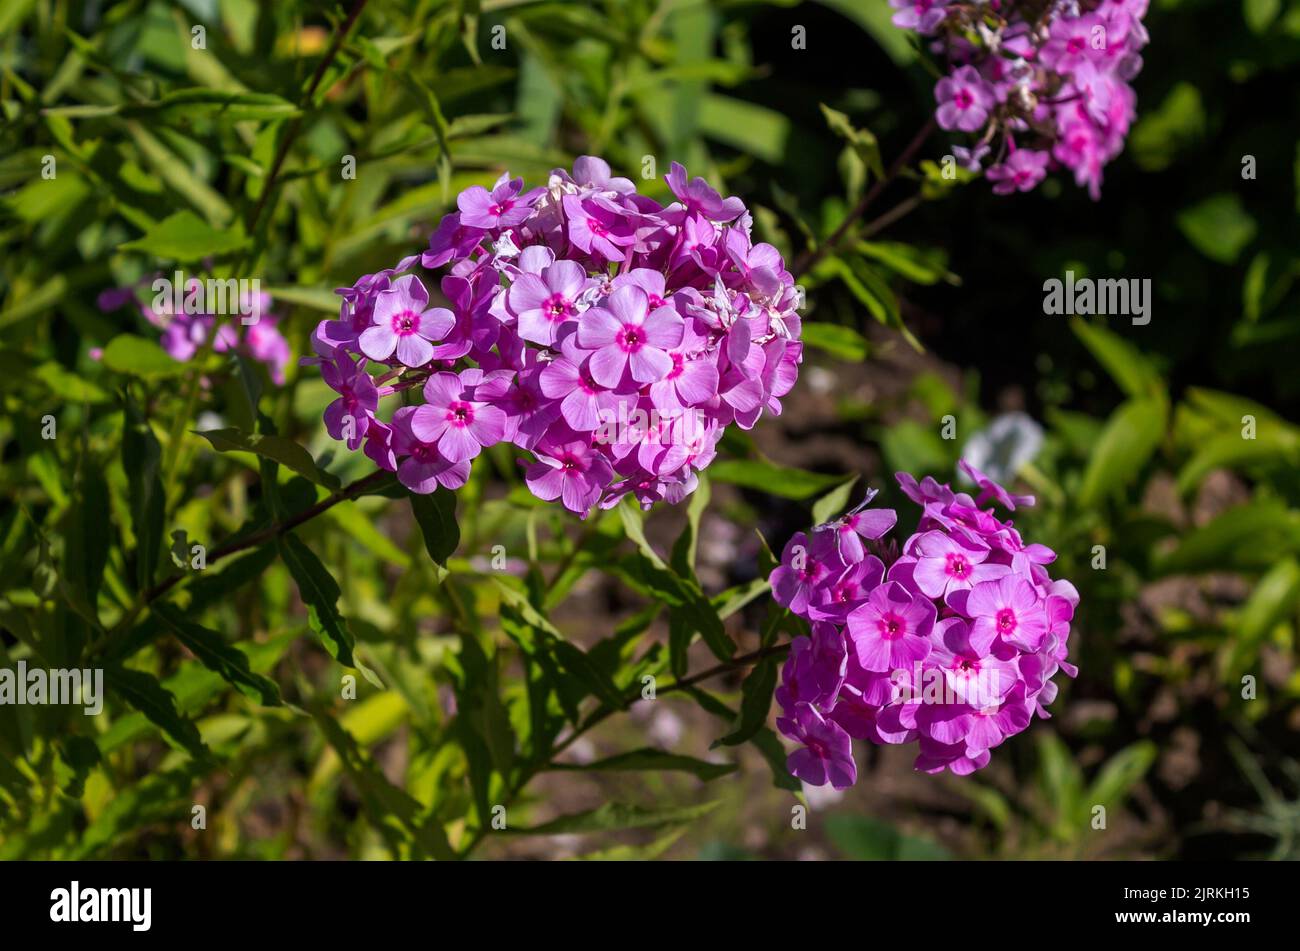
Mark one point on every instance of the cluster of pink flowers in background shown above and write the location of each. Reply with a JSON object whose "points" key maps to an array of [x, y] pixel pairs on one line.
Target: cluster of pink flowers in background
{"points": [[951, 642], [1035, 84], [609, 336], [184, 333]]}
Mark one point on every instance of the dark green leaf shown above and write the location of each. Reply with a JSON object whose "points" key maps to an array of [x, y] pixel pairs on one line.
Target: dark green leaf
{"points": [[144, 693], [184, 236], [839, 341], [218, 656], [436, 516], [127, 353], [320, 592], [653, 760], [776, 480], [756, 700], [276, 448]]}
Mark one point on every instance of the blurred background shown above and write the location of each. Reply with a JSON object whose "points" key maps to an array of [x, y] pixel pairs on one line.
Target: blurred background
{"points": [[1184, 719]]}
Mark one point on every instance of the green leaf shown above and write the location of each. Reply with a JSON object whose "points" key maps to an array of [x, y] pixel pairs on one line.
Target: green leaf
{"points": [[1062, 785], [1275, 597], [315, 298], [276, 448], [1121, 773], [436, 516], [143, 692], [683, 553], [1219, 227], [397, 815], [69, 387], [215, 654], [729, 602], [841, 342], [1271, 446], [577, 662], [862, 140], [689, 610], [652, 760], [157, 798], [142, 460], [753, 129], [833, 502], [187, 104], [918, 265], [1132, 372], [616, 815], [361, 528], [320, 592], [549, 641], [1130, 438], [127, 353], [755, 702], [176, 172], [869, 840], [1174, 127], [788, 483], [1254, 535], [765, 741], [184, 236]]}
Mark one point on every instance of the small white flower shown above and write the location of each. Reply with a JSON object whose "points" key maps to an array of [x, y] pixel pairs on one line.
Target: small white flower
{"points": [[999, 450]]}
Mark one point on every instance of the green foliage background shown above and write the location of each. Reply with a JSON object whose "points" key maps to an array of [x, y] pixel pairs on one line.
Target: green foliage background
{"points": [[477, 688]]}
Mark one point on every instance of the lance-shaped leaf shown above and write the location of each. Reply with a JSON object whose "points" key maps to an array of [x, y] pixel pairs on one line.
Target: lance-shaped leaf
{"points": [[143, 692], [1131, 437], [648, 573], [127, 353], [185, 236], [548, 640], [839, 341], [755, 701], [833, 502], [436, 515], [276, 448], [776, 480], [652, 760], [161, 796], [683, 554], [188, 103], [218, 656], [398, 816], [320, 592], [764, 740]]}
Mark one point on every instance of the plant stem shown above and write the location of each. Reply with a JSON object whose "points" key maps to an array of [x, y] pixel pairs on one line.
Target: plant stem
{"points": [[898, 212], [810, 258]]}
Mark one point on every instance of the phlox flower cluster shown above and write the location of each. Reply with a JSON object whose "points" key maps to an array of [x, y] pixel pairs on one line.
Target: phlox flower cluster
{"points": [[609, 336], [184, 332], [950, 642], [1036, 84]]}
